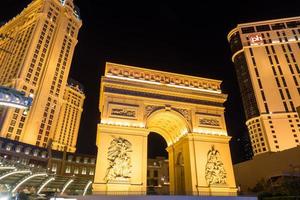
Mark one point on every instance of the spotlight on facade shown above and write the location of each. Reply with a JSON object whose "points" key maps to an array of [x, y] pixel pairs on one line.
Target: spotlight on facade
{"points": [[12, 98]]}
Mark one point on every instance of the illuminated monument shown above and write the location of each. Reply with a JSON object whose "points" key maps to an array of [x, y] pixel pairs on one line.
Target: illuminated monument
{"points": [[187, 111]]}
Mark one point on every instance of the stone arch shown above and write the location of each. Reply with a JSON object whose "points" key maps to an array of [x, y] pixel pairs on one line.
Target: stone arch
{"points": [[170, 124], [186, 111]]}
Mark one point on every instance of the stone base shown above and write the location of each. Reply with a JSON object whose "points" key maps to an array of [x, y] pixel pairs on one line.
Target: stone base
{"points": [[216, 191], [118, 189]]}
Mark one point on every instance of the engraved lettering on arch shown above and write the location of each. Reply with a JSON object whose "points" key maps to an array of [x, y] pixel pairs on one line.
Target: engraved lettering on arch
{"points": [[123, 112], [209, 122]]}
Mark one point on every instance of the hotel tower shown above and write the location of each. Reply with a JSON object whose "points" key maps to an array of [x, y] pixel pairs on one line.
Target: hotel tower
{"points": [[36, 53], [267, 64]]}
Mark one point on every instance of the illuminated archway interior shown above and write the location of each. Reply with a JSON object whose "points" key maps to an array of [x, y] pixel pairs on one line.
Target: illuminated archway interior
{"points": [[168, 124]]}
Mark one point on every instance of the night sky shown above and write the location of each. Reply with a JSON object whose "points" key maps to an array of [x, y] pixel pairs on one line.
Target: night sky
{"points": [[182, 37]]}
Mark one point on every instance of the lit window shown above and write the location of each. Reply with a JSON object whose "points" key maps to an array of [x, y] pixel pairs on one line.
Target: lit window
{"points": [[18, 149], [54, 167], [8, 147], [68, 169], [35, 153], [83, 171], [91, 172]]}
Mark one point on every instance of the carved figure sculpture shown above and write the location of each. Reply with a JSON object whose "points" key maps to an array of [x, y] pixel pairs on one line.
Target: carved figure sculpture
{"points": [[214, 170], [119, 160]]}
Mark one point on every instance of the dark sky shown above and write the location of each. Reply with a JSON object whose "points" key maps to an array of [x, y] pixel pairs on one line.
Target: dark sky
{"points": [[186, 37]]}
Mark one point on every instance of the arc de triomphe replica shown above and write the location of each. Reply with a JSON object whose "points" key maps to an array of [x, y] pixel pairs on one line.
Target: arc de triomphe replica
{"points": [[186, 111]]}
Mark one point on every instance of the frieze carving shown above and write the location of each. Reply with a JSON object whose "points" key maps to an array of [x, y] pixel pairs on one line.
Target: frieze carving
{"points": [[119, 160], [161, 77], [214, 170], [150, 109], [209, 122], [161, 96], [186, 113], [123, 112]]}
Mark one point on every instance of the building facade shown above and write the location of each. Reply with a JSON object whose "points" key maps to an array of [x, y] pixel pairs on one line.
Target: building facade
{"points": [[266, 60], [65, 136], [36, 55], [60, 167]]}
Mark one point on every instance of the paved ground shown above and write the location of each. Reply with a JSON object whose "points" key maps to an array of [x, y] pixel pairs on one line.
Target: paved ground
{"points": [[157, 197]]}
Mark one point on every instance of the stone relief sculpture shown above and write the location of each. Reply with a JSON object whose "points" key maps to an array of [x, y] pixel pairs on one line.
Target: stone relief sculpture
{"points": [[214, 170], [150, 108], [119, 160], [186, 113]]}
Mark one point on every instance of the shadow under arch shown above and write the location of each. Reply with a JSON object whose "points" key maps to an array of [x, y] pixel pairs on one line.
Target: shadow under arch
{"points": [[170, 124]]}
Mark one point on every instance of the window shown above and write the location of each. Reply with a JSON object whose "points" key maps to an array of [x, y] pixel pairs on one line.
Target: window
{"points": [[278, 26], [248, 30], [155, 173], [293, 24], [68, 170], [263, 95], [263, 28], [284, 83], [54, 167], [83, 170], [76, 171], [91, 172], [288, 93]]}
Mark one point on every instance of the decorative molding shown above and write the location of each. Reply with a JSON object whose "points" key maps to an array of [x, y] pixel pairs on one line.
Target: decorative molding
{"points": [[123, 104], [119, 160], [185, 113], [215, 173], [208, 114], [161, 96], [150, 109], [142, 74]]}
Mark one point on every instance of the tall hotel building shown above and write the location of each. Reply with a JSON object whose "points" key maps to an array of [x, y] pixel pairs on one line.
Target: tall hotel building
{"points": [[35, 57], [69, 118], [266, 55]]}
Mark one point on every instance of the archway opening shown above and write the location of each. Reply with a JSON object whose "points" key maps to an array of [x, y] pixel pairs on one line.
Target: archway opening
{"points": [[171, 126], [157, 165]]}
